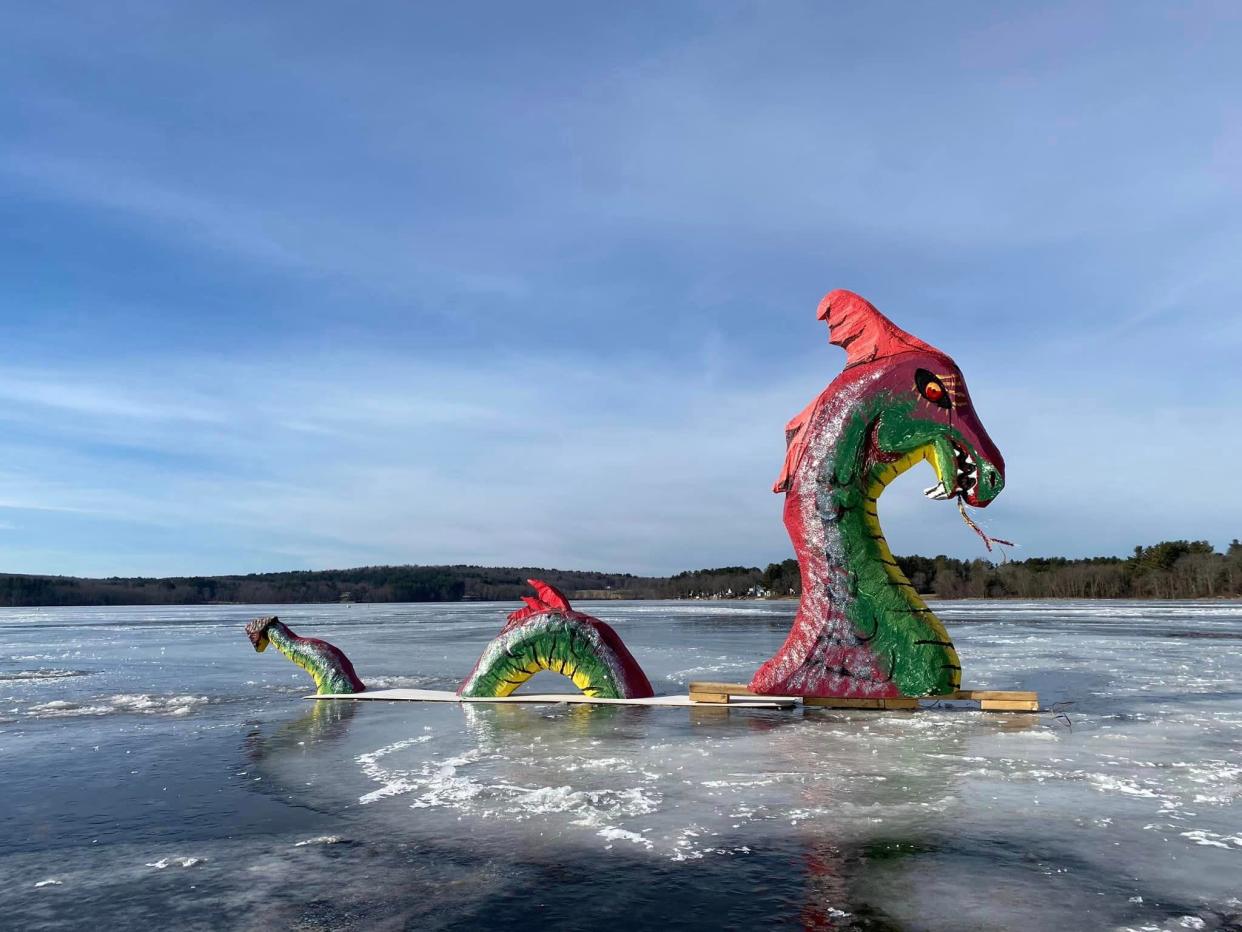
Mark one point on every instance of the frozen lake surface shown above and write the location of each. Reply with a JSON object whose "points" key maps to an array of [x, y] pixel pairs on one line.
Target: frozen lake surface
{"points": [[156, 772]]}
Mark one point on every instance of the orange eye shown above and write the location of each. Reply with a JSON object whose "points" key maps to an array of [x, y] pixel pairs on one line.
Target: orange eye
{"points": [[931, 388]]}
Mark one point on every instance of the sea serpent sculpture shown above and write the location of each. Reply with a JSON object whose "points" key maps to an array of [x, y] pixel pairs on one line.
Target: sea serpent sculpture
{"points": [[328, 666], [545, 635], [549, 635], [861, 630]]}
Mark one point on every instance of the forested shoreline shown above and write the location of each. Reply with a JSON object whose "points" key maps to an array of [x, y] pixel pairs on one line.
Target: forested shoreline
{"points": [[1168, 570]]}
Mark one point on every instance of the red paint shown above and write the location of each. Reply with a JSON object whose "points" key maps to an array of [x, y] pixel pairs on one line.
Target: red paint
{"points": [[863, 332], [823, 655], [550, 600]]}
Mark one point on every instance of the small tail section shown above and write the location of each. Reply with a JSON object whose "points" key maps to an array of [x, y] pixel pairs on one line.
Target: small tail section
{"points": [[327, 664]]}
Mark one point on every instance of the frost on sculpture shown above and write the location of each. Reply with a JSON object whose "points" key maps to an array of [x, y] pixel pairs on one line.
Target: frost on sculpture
{"points": [[328, 666], [549, 635], [861, 629]]}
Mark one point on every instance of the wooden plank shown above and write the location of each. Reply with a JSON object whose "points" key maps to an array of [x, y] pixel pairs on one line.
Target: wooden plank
{"points": [[975, 695], [839, 703], [734, 694], [1009, 705], [709, 698], [729, 689], [901, 703], [1005, 695], [842, 703]]}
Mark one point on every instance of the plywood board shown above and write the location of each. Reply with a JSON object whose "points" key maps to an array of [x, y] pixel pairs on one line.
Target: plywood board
{"points": [[435, 695], [1009, 705]]}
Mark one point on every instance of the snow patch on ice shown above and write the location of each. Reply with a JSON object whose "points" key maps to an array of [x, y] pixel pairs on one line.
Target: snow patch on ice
{"points": [[139, 703], [163, 863], [319, 840], [393, 784], [42, 675], [1211, 839], [620, 834], [452, 783]]}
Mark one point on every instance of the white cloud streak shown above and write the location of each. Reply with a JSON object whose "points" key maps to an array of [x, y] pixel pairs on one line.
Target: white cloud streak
{"points": [[340, 461]]}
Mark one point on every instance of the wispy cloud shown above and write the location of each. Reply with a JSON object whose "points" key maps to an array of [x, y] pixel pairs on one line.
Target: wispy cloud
{"points": [[344, 461], [396, 288]]}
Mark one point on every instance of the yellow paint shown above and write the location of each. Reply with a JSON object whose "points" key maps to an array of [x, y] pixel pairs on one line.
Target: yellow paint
{"points": [[881, 478], [582, 681], [579, 679]]}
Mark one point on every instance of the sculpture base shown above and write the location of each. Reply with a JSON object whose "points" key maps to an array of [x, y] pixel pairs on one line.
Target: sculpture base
{"points": [[435, 695], [990, 700], [719, 696]]}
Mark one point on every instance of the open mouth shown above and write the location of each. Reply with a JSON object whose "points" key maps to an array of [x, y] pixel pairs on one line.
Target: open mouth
{"points": [[965, 478]]}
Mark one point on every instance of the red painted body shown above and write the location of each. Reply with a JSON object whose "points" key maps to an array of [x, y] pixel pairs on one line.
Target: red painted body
{"points": [[824, 476]]}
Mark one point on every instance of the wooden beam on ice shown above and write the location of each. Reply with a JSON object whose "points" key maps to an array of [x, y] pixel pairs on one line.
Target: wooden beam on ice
{"points": [[990, 700], [1009, 705], [888, 705]]}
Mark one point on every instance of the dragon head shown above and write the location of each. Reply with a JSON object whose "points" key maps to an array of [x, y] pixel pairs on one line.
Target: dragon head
{"points": [[927, 411], [256, 630], [862, 630]]}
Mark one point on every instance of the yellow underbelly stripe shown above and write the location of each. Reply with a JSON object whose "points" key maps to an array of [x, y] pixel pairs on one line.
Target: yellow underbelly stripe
{"points": [[880, 481]]}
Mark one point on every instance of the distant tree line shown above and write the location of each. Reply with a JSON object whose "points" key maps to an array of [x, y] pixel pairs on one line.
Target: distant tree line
{"points": [[1176, 569], [1173, 569], [722, 582], [363, 584]]}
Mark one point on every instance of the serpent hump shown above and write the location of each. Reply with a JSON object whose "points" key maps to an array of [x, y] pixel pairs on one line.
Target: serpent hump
{"points": [[547, 634]]}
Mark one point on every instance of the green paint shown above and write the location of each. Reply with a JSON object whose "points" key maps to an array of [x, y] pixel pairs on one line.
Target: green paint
{"points": [[904, 634], [553, 643], [317, 658]]}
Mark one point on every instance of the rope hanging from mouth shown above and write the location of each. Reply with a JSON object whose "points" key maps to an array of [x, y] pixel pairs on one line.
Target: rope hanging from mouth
{"points": [[987, 540]]}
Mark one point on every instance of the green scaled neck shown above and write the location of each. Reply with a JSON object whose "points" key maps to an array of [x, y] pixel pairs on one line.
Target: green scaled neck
{"points": [[297, 650], [885, 609]]}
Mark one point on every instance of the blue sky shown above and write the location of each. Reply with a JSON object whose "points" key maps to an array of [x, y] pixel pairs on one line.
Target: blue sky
{"points": [[308, 285]]}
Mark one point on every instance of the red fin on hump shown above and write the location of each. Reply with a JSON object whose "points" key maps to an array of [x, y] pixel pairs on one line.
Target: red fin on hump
{"points": [[549, 599], [550, 595], [863, 332]]}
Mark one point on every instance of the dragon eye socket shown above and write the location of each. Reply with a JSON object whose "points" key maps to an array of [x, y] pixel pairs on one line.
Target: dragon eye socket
{"points": [[932, 388]]}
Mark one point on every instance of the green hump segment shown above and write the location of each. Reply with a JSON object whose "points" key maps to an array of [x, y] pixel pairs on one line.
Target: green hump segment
{"points": [[549, 635]]}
